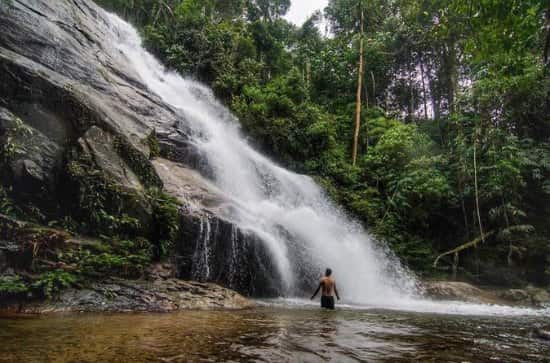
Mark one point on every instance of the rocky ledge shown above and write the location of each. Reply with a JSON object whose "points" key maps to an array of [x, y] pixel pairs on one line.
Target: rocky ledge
{"points": [[455, 290], [160, 293]]}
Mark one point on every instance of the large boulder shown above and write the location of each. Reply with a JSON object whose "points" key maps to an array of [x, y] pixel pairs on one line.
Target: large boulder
{"points": [[62, 75], [516, 296], [29, 159], [100, 147], [531, 295], [539, 296], [462, 291]]}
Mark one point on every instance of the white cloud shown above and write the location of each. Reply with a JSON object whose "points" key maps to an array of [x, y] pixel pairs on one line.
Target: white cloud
{"points": [[300, 10]]}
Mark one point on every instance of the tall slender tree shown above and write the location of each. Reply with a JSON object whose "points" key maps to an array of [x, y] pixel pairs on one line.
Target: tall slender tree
{"points": [[359, 84]]}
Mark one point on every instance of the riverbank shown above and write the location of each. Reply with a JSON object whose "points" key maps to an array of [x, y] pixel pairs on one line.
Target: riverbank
{"points": [[160, 292]]}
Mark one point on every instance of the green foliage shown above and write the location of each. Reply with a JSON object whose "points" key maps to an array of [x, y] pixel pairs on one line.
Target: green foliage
{"points": [[100, 202], [280, 117], [109, 257], [153, 144], [446, 83], [11, 285], [402, 165], [52, 282], [166, 221], [9, 147], [118, 258], [7, 205], [138, 162]]}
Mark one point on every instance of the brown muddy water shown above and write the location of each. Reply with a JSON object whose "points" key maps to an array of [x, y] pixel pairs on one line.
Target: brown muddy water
{"points": [[272, 334]]}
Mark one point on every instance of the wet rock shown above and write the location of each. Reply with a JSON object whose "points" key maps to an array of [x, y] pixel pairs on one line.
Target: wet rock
{"points": [[189, 187], [528, 296], [542, 333], [515, 295], [55, 61], [211, 247], [33, 161], [117, 295], [100, 145], [539, 296], [451, 290], [454, 290]]}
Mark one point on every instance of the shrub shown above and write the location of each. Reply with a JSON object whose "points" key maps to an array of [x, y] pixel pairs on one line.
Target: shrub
{"points": [[52, 282], [12, 285]]}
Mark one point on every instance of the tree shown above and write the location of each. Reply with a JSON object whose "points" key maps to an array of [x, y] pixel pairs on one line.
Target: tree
{"points": [[359, 87]]}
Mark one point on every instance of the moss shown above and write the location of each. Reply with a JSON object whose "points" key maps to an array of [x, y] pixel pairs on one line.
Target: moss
{"points": [[138, 162], [153, 144]]}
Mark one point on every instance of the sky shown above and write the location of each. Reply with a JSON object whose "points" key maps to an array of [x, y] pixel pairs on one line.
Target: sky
{"points": [[300, 10]]}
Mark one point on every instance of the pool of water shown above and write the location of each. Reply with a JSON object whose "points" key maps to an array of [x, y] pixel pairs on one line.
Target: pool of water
{"points": [[272, 333]]}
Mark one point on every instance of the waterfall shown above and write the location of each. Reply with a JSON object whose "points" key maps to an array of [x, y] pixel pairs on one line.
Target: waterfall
{"points": [[303, 231]]}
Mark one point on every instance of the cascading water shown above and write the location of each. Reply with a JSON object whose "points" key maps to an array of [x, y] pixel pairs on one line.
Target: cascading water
{"points": [[283, 209], [275, 204]]}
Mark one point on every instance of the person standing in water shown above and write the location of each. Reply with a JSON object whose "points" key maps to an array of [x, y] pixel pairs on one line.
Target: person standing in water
{"points": [[328, 286]]}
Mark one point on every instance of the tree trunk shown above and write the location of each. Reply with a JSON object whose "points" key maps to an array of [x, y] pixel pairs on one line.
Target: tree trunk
{"points": [[455, 265], [464, 214], [547, 37], [366, 125], [452, 80], [424, 96], [373, 87], [476, 189], [359, 82]]}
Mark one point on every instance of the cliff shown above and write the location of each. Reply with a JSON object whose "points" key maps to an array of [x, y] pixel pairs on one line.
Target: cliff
{"points": [[99, 179]]}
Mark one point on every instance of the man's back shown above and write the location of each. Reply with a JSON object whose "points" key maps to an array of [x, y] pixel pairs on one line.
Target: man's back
{"points": [[327, 286]]}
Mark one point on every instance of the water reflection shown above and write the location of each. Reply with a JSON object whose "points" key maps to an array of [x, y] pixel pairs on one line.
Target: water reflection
{"points": [[270, 334]]}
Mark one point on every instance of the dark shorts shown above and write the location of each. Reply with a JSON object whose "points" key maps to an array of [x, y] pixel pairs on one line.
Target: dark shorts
{"points": [[327, 302]]}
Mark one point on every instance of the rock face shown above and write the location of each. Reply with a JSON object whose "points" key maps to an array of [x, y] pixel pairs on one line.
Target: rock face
{"points": [[71, 107], [211, 248], [35, 158], [117, 295]]}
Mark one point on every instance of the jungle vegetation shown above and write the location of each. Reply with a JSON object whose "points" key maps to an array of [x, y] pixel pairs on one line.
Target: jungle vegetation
{"points": [[427, 120]]}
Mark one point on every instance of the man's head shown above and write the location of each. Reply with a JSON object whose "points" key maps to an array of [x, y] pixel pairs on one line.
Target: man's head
{"points": [[328, 272]]}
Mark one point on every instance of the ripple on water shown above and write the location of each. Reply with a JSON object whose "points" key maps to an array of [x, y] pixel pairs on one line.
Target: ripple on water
{"points": [[272, 334]]}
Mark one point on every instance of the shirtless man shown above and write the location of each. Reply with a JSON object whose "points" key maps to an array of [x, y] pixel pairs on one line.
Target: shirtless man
{"points": [[328, 284]]}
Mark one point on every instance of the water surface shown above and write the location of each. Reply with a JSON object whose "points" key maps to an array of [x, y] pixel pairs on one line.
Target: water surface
{"points": [[305, 334]]}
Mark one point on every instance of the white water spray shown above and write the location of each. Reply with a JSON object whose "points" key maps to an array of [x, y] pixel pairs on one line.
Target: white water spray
{"points": [[272, 199]]}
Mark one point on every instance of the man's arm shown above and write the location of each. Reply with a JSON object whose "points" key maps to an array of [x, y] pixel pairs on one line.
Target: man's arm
{"points": [[336, 291], [316, 291]]}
